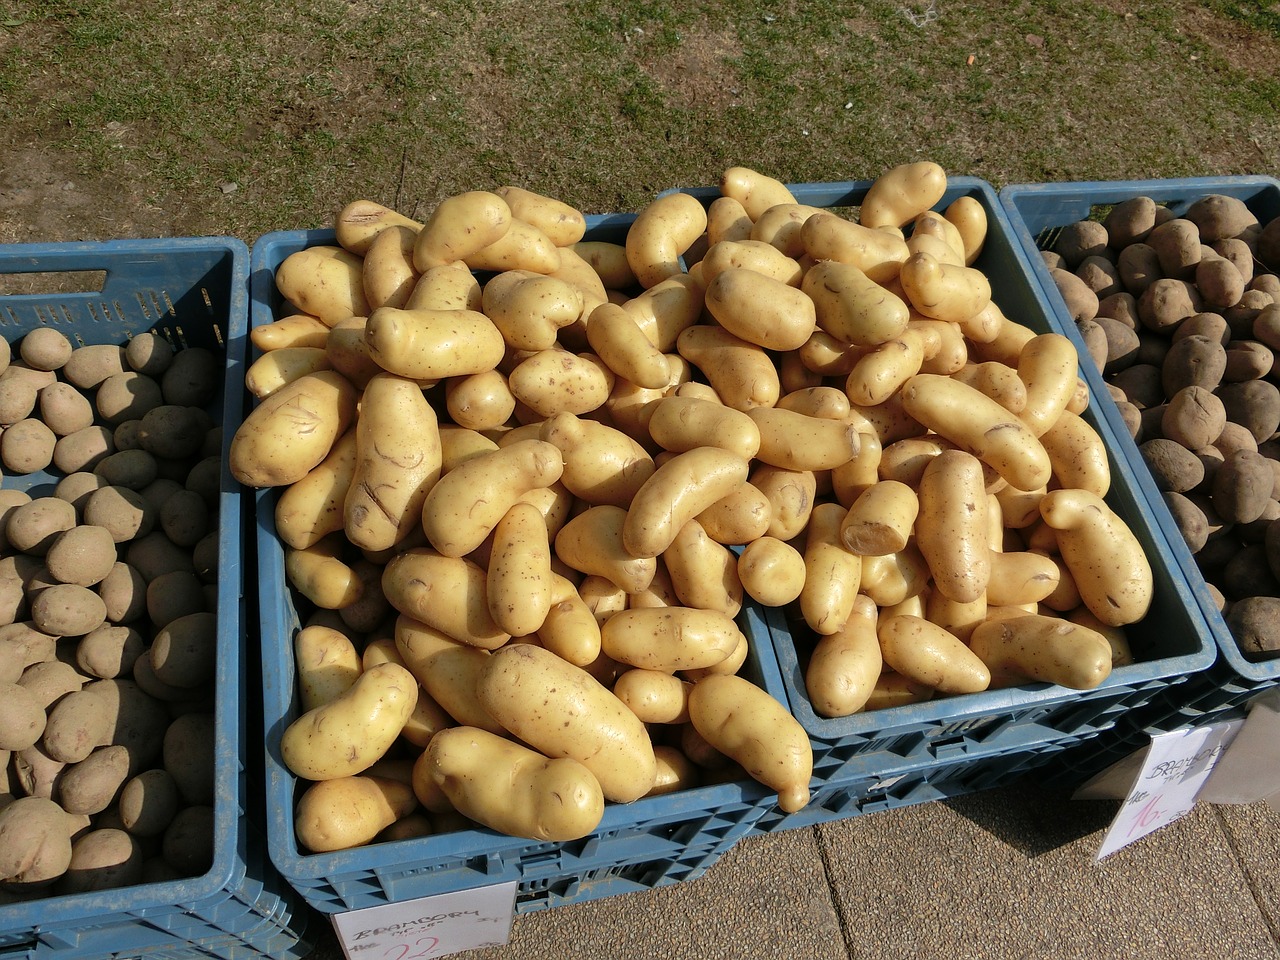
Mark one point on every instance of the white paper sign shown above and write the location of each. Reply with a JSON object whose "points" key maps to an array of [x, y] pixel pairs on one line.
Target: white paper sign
{"points": [[1166, 787], [429, 927]]}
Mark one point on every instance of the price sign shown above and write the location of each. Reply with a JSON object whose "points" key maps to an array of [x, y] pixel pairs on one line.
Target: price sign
{"points": [[1176, 767], [429, 927]]}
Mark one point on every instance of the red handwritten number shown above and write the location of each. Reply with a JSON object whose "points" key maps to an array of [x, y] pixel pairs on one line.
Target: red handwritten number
{"points": [[1147, 815], [403, 948]]}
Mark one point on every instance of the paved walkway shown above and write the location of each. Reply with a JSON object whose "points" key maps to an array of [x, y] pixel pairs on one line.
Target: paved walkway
{"points": [[1004, 874]]}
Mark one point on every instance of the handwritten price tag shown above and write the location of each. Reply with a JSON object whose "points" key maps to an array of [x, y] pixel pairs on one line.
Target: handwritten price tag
{"points": [[1176, 767], [429, 927]]}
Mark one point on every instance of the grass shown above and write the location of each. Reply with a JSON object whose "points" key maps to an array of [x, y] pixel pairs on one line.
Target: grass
{"points": [[603, 104]]}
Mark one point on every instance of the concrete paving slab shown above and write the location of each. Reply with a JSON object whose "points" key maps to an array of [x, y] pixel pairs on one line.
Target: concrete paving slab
{"points": [[767, 897], [1253, 834], [1010, 874]]}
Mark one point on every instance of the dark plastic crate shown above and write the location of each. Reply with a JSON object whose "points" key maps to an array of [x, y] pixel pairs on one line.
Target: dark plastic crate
{"points": [[193, 292], [1172, 642], [1036, 212], [652, 842]]}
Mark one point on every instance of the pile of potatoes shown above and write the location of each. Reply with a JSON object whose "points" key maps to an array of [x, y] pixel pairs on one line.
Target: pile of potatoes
{"points": [[528, 480], [108, 580], [1182, 316]]}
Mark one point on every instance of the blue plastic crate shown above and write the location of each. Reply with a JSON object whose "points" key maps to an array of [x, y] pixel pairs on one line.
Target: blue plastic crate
{"points": [[653, 842], [192, 291], [1035, 213], [1172, 643]]}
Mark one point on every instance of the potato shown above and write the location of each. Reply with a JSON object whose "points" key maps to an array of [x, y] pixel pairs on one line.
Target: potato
{"points": [[581, 720], [741, 373], [679, 424], [772, 571], [1194, 417], [760, 309], [881, 519], [347, 735], [600, 465], [1080, 299], [669, 639], [327, 664], [1243, 486], [149, 802], [22, 717], [27, 447], [349, 811], [64, 409], [755, 191], [1253, 621], [743, 722], [187, 845], [1177, 245], [463, 506], [513, 789], [555, 381], [78, 723], [447, 593], [90, 786], [663, 229], [703, 572], [518, 583], [293, 430], [1105, 559], [33, 527], [447, 670], [1167, 302], [1173, 467], [35, 842], [951, 530], [677, 492], [845, 664], [68, 610], [82, 450]]}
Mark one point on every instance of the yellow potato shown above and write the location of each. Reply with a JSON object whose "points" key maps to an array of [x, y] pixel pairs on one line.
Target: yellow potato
{"points": [[772, 571], [389, 275], [282, 366], [669, 638], [557, 381], [530, 309], [832, 575], [601, 465], [755, 191], [459, 227], [727, 220], [675, 771], [1006, 344], [946, 351], [758, 256], [822, 355], [446, 669], [997, 381], [447, 593], [397, 463], [977, 424], [624, 347], [348, 351], [677, 492], [361, 222], [1106, 560], [465, 504], [780, 227], [881, 520], [937, 227], [571, 629], [970, 219], [449, 286], [667, 309], [518, 578], [680, 424], [851, 307], [759, 309], [894, 577], [742, 373], [883, 369], [958, 619], [654, 696], [845, 663], [900, 194], [929, 655], [311, 508], [1021, 576], [877, 253], [430, 344], [830, 403], [1048, 365], [557, 219], [324, 281], [895, 690], [522, 247], [609, 261], [593, 543], [663, 229], [349, 733], [850, 479], [738, 517], [1044, 648], [459, 444], [951, 529], [935, 246], [742, 721], [285, 436], [512, 789], [294, 330], [320, 574], [562, 711], [791, 495], [479, 401], [327, 663], [703, 572], [796, 441], [350, 811], [943, 291]]}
